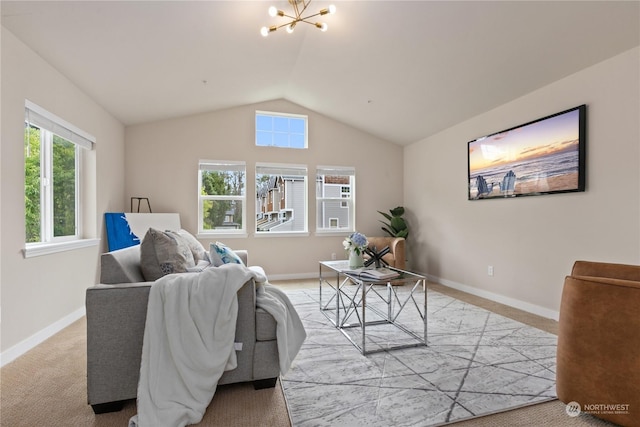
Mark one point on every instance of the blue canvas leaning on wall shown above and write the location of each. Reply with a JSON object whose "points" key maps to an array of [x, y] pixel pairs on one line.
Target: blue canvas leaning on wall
{"points": [[119, 234]]}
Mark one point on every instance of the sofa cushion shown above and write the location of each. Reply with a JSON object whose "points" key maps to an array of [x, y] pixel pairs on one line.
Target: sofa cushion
{"points": [[164, 252], [222, 254], [198, 251]]}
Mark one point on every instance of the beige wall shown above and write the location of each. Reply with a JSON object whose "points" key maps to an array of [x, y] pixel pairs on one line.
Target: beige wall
{"points": [[39, 292], [532, 242], [162, 164]]}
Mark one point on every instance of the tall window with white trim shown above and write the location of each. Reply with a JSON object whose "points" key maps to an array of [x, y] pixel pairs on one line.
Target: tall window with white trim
{"points": [[52, 176], [222, 197], [335, 198], [281, 198]]}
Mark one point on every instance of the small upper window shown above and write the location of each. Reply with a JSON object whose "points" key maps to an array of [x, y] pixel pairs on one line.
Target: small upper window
{"points": [[281, 130]]}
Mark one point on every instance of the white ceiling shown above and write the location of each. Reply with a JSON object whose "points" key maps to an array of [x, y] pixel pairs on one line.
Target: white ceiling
{"points": [[400, 70]]}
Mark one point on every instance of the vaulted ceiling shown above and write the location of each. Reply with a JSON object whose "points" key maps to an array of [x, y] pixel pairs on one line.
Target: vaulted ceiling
{"points": [[400, 70]]}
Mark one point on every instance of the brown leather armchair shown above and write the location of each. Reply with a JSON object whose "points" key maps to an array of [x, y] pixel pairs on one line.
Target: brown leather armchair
{"points": [[396, 256], [598, 359]]}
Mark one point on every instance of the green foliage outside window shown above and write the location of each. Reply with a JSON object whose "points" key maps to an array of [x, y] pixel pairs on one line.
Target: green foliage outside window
{"points": [[32, 183], [217, 213], [63, 198], [64, 187]]}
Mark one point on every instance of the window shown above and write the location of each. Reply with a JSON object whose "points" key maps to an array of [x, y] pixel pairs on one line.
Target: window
{"points": [[52, 149], [281, 198], [335, 198], [221, 197], [281, 130]]}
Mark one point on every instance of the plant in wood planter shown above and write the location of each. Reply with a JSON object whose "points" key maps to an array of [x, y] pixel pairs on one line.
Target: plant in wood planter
{"points": [[396, 225]]}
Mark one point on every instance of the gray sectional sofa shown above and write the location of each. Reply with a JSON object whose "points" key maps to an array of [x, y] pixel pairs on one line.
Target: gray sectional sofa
{"points": [[116, 314]]}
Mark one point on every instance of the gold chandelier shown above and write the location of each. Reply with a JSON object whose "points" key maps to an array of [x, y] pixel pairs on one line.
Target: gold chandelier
{"points": [[299, 7]]}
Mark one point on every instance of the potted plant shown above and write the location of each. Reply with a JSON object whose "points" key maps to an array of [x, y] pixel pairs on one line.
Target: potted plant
{"points": [[396, 225]]}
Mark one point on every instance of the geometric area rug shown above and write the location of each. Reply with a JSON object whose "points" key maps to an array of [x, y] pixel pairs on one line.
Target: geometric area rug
{"points": [[476, 363]]}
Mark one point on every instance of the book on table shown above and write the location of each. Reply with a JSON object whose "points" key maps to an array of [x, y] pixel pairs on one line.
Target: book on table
{"points": [[373, 273]]}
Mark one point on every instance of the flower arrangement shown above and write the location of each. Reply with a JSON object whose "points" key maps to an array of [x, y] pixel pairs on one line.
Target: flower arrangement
{"points": [[356, 242]]}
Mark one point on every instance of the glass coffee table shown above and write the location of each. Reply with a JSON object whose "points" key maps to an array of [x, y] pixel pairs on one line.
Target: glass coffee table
{"points": [[374, 315]]}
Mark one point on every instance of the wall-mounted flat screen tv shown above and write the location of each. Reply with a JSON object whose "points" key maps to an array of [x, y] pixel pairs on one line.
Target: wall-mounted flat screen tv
{"points": [[544, 156]]}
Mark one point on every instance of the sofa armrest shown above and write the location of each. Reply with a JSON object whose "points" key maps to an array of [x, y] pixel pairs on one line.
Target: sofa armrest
{"points": [[598, 353], [244, 255], [603, 269], [116, 318], [398, 248], [121, 266], [396, 256]]}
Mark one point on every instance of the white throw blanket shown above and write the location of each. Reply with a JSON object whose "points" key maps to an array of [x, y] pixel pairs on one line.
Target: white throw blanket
{"points": [[189, 340], [289, 330]]}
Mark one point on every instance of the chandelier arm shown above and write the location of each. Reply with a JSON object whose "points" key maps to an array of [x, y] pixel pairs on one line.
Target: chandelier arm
{"points": [[310, 16], [286, 24], [294, 3], [295, 18], [310, 23], [305, 4]]}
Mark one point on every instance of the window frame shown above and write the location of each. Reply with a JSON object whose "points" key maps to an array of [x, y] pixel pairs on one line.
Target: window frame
{"points": [[275, 116], [228, 166], [51, 126], [280, 169], [344, 200]]}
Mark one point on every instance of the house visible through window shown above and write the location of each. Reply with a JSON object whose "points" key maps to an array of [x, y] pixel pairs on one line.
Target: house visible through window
{"points": [[52, 176], [281, 130], [335, 198], [281, 198], [222, 197]]}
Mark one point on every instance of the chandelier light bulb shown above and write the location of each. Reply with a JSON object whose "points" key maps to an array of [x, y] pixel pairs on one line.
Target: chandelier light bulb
{"points": [[291, 27], [273, 11], [322, 25], [332, 9], [264, 31]]}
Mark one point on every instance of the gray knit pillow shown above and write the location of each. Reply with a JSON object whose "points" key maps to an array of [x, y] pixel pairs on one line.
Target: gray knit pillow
{"points": [[198, 251], [164, 252]]}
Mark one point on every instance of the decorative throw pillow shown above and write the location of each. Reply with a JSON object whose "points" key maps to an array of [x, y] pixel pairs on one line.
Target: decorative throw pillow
{"points": [[162, 253], [198, 251], [221, 254]]}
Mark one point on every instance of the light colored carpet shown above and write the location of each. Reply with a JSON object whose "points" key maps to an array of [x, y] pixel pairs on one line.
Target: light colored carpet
{"points": [[47, 387]]}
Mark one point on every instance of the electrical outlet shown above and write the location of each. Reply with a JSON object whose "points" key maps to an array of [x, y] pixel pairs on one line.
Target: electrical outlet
{"points": [[333, 256], [490, 270]]}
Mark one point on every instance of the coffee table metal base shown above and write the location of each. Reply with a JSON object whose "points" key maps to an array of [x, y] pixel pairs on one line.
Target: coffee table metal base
{"points": [[351, 303]]}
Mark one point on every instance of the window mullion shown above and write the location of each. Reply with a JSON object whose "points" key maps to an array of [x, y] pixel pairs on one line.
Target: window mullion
{"points": [[78, 188], [46, 186]]}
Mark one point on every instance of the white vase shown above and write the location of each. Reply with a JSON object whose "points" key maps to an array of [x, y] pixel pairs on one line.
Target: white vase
{"points": [[356, 260]]}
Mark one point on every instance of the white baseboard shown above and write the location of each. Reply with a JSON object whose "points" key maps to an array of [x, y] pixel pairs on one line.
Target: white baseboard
{"points": [[22, 347], [293, 276], [511, 302]]}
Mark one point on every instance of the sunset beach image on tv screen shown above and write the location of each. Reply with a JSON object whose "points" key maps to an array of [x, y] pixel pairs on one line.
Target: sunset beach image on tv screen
{"points": [[541, 157]]}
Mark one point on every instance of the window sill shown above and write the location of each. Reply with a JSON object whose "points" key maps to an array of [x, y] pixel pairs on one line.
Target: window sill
{"points": [[342, 233], [213, 236], [281, 234], [39, 249]]}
